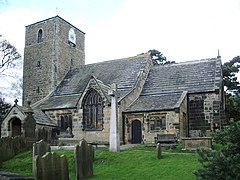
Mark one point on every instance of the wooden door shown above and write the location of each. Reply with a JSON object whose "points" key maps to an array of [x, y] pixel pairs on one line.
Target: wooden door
{"points": [[136, 132]]}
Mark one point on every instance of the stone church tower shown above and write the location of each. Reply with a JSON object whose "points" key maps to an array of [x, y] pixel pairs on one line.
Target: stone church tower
{"points": [[52, 47]]}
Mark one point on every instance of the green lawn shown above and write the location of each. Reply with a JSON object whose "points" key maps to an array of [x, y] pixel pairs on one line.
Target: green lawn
{"points": [[136, 163]]}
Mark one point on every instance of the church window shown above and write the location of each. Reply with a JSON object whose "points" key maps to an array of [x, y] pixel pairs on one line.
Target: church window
{"points": [[92, 111], [157, 123], [40, 36], [65, 122]]}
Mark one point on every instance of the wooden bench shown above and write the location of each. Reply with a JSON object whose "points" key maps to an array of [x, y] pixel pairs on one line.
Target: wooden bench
{"points": [[166, 138]]}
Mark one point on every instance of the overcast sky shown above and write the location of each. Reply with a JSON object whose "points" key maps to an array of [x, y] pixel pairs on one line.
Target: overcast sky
{"points": [[181, 29]]}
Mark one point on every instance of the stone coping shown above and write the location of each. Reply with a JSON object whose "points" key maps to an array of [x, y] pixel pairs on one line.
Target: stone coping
{"points": [[196, 138], [11, 176]]}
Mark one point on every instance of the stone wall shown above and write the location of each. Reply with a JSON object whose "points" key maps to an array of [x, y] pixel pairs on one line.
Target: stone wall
{"points": [[197, 142], [172, 125], [47, 62], [204, 113]]}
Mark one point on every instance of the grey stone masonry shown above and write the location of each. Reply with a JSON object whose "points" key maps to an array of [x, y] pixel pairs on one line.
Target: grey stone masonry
{"points": [[48, 59]]}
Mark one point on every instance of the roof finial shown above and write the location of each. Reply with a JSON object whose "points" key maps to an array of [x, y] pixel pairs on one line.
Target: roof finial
{"points": [[218, 54]]}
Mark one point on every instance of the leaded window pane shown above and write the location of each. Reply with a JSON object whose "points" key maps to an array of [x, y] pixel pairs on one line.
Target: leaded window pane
{"points": [[92, 111]]}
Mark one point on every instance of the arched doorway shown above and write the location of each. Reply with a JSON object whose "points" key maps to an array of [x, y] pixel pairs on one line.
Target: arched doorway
{"points": [[136, 132], [16, 127]]}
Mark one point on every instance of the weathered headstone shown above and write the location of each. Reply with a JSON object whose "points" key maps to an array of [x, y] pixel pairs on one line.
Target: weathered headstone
{"points": [[159, 151], [114, 141], [40, 148], [84, 160], [51, 166]]}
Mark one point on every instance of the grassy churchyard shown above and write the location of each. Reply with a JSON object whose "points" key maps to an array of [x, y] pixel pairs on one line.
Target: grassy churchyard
{"points": [[135, 163]]}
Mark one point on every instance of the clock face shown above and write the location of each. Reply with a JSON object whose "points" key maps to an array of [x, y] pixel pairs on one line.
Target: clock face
{"points": [[72, 36]]}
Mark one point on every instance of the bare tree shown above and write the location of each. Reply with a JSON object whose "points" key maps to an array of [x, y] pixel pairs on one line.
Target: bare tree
{"points": [[9, 56]]}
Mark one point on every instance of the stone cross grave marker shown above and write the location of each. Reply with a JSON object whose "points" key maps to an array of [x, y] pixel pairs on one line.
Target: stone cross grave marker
{"points": [[114, 142]]}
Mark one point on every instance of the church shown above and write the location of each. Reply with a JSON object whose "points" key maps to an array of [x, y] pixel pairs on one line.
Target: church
{"points": [[67, 98]]}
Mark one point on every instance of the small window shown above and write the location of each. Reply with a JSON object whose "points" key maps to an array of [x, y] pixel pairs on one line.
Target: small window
{"points": [[39, 64], [40, 36], [71, 62], [38, 90], [157, 123]]}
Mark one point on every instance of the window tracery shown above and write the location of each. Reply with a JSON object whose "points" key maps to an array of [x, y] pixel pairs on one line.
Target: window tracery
{"points": [[93, 111]]}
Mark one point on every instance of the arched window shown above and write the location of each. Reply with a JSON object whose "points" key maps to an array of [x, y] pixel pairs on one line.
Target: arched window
{"points": [[92, 111], [40, 36]]}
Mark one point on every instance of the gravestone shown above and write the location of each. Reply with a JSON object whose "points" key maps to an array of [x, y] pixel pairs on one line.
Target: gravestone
{"points": [[84, 160], [50, 167], [40, 148], [114, 141], [159, 151]]}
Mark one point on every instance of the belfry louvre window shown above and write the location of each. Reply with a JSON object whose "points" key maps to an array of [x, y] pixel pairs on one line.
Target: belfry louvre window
{"points": [[157, 123], [92, 111]]}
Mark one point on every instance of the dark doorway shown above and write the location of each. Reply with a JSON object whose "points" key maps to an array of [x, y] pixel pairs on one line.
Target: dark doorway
{"points": [[16, 127], [136, 132]]}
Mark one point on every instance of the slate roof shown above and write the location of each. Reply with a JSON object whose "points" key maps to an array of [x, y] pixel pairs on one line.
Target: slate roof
{"points": [[42, 118], [59, 102], [124, 72], [154, 102], [39, 116], [164, 89], [165, 85], [193, 76]]}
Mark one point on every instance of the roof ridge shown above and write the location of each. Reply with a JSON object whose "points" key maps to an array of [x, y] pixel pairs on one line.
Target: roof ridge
{"points": [[189, 62]]}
